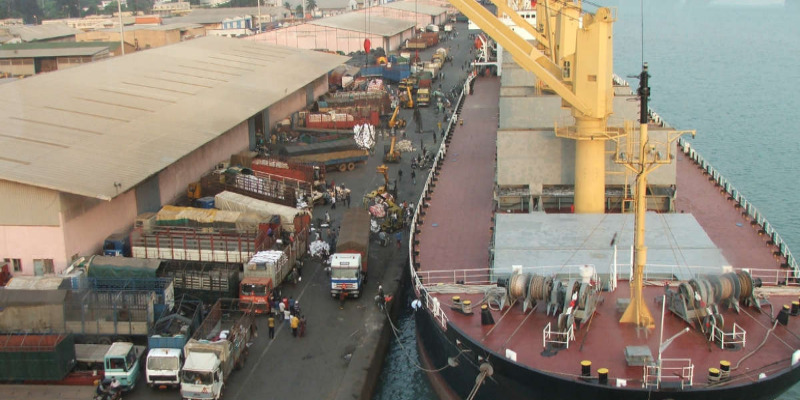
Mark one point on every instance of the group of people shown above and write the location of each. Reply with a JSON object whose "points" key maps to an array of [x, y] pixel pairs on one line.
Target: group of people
{"points": [[286, 309]]}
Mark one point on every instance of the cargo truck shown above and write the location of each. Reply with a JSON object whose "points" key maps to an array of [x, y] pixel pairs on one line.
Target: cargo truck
{"points": [[37, 359], [423, 97], [166, 342], [340, 154], [265, 271], [217, 348], [349, 263], [92, 316]]}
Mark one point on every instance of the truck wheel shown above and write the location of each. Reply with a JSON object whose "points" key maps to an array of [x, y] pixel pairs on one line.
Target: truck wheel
{"points": [[351, 166], [342, 167]]}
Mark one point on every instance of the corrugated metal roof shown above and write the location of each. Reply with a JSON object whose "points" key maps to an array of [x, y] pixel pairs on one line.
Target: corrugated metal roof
{"points": [[37, 283], [63, 52], [165, 27], [124, 119], [418, 8], [356, 22], [31, 297], [216, 15], [31, 33]]}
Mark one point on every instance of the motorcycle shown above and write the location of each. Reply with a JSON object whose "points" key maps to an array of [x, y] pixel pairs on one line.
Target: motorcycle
{"points": [[108, 389]]}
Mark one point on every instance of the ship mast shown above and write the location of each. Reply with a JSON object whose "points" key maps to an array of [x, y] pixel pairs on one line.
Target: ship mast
{"points": [[637, 311], [646, 157]]}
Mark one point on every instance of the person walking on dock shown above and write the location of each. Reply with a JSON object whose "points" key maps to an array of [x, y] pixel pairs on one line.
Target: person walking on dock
{"points": [[347, 199], [333, 203], [327, 218], [271, 321], [342, 298], [399, 237], [413, 177], [295, 324], [400, 175], [282, 308], [302, 325]]}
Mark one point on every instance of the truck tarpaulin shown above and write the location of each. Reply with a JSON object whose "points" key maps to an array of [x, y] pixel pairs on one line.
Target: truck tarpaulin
{"points": [[237, 202], [121, 267]]}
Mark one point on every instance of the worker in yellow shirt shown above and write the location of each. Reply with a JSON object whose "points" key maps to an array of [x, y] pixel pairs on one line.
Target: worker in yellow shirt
{"points": [[295, 323], [271, 327]]}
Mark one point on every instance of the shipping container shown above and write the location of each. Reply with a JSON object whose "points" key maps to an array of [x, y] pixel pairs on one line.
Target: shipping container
{"points": [[36, 357]]}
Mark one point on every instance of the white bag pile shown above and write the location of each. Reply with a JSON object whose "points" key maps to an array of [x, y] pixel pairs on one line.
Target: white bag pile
{"points": [[318, 247], [364, 136]]}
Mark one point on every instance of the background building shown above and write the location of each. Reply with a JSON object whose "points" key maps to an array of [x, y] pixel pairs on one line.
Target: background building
{"points": [[85, 150], [345, 32]]}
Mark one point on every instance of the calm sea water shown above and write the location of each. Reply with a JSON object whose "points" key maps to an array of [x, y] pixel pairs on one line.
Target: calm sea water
{"points": [[729, 69]]}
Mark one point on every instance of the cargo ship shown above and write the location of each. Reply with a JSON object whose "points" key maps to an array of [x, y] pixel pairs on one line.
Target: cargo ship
{"points": [[597, 257]]}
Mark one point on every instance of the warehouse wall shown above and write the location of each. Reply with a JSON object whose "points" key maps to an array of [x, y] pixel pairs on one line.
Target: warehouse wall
{"points": [[310, 36], [84, 234], [173, 180]]}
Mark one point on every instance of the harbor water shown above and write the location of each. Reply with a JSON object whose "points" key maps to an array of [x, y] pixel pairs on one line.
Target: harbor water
{"points": [[729, 69]]}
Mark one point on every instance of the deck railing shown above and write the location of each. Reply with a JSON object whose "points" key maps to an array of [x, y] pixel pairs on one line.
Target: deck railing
{"points": [[738, 336], [431, 303], [678, 370], [748, 209], [558, 338], [655, 274]]}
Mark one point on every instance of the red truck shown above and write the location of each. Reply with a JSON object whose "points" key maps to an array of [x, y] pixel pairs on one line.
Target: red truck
{"points": [[281, 170], [333, 120]]}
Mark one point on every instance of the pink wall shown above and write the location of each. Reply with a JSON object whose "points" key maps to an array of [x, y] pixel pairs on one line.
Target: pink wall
{"points": [[172, 181], [309, 36], [32, 242], [85, 233]]}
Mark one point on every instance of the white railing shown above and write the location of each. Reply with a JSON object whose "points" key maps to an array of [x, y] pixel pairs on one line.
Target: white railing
{"points": [[488, 276], [774, 277], [747, 208], [738, 336], [431, 302], [557, 337], [679, 370]]}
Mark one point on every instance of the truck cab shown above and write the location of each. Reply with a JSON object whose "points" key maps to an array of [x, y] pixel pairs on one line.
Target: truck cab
{"points": [[201, 377], [163, 368], [117, 245], [256, 290], [122, 362], [346, 274]]}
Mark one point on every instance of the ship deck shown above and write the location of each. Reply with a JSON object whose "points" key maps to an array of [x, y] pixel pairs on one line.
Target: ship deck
{"points": [[456, 232]]}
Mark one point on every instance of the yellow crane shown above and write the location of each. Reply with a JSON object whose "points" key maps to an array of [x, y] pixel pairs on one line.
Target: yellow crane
{"points": [[407, 100], [392, 154], [395, 122]]}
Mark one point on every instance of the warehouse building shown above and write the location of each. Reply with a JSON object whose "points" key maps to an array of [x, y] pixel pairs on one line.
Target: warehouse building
{"points": [[85, 150], [26, 59], [345, 33], [421, 15], [142, 37]]}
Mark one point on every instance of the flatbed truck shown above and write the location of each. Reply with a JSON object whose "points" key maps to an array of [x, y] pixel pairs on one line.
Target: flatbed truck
{"points": [[216, 349]]}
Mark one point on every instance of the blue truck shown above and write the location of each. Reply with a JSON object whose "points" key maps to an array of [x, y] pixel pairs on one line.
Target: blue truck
{"points": [[166, 341]]}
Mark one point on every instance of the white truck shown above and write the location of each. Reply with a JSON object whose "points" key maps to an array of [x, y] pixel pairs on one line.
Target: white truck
{"points": [[217, 348], [169, 336]]}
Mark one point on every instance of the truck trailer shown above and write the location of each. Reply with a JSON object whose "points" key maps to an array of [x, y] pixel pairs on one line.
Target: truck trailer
{"points": [[340, 154], [216, 349], [349, 263], [92, 316]]}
